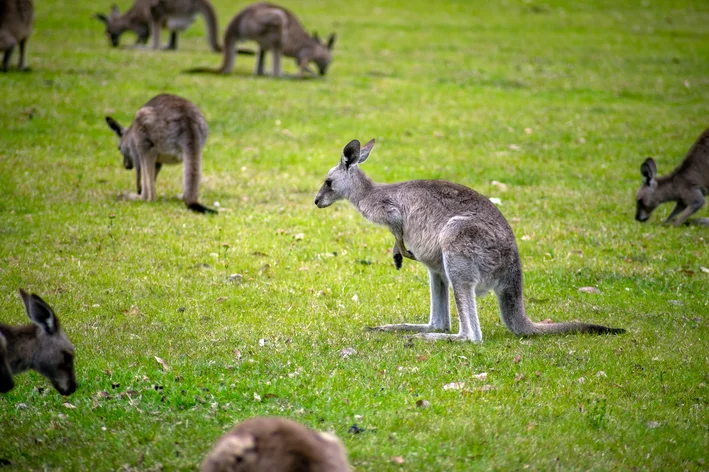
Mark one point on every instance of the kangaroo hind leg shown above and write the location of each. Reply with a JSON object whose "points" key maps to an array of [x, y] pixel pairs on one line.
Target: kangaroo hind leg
{"points": [[191, 175], [439, 319]]}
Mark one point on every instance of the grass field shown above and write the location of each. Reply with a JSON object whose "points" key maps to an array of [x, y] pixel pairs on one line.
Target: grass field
{"points": [[558, 101]]}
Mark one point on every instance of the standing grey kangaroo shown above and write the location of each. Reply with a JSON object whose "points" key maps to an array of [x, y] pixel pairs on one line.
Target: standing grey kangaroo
{"points": [[686, 185], [166, 130], [277, 30], [16, 21], [41, 346], [147, 17], [458, 234], [272, 444]]}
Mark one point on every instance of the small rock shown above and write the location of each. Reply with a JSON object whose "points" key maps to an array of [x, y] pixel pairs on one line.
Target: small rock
{"points": [[181, 309]]}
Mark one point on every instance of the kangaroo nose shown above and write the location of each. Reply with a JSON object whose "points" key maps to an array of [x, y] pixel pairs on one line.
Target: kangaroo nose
{"points": [[317, 200]]}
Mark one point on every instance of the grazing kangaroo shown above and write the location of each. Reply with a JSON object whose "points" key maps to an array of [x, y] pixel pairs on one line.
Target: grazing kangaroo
{"points": [[148, 16], [16, 20], [271, 444], [458, 234], [686, 185], [277, 30], [41, 346], [166, 130]]}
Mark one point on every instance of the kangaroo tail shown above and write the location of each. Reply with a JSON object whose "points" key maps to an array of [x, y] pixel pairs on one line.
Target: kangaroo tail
{"points": [[573, 327], [210, 18], [514, 317], [199, 208]]}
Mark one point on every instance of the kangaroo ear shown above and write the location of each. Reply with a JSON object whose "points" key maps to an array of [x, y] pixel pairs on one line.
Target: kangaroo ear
{"points": [[350, 154], [364, 152], [39, 312], [113, 124], [115, 11], [331, 41], [101, 17], [648, 170]]}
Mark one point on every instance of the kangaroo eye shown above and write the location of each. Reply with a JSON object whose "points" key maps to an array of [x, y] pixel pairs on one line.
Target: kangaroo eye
{"points": [[328, 183]]}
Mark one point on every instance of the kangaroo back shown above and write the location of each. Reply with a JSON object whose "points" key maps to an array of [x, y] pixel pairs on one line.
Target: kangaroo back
{"points": [[270, 444]]}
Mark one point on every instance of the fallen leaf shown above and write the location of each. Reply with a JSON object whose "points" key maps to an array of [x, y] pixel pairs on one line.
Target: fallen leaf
{"points": [[68, 405], [423, 403], [257, 397], [519, 377], [398, 460], [496, 201], [347, 352], [262, 342], [514, 147], [704, 269], [162, 363], [589, 290], [653, 424], [355, 298], [487, 388], [600, 373], [500, 186], [422, 358], [221, 299], [480, 376], [299, 236], [582, 380], [454, 386], [517, 359]]}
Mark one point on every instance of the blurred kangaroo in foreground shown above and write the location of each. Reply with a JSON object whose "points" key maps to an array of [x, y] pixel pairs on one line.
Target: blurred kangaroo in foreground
{"points": [[458, 234], [146, 17], [686, 185], [277, 30], [41, 346], [16, 20], [271, 444], [166, 130]]}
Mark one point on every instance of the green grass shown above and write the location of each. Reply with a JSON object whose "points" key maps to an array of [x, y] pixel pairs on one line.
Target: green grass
{"points": [[448, 91]]}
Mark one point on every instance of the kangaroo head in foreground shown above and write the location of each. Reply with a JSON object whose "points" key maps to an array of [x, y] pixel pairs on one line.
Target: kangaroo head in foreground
{"points": [[687, 185], [272, 443], [41, 346], [318, 52], [458, 234]]}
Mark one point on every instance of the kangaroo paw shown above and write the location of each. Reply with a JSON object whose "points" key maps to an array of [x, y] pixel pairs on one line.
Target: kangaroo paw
{"points": [[398, 259]]}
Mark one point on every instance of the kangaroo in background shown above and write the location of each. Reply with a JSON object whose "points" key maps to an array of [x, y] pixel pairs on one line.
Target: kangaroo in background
{"points": [[270, 444], [277, 30], [148, 16], [41, 346], [686, 185], [16, 21], [166, 130], [458, 234]]}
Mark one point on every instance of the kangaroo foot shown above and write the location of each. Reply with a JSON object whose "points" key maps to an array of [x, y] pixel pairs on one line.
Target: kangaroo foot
{"points": [[446, 337]]}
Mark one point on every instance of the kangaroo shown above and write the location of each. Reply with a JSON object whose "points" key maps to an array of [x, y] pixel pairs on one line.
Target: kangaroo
{"points": [[147, 16], [277, 30], [458, 234], [166, 130], [686, 185], [41, 346], [6, 382], [271, 444], [16, 21]]}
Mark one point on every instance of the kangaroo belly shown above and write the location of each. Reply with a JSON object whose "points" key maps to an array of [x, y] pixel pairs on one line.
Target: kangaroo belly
{"points": [[179, 22]]}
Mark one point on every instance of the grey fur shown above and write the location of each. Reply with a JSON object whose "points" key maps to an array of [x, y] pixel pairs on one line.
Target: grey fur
{"points": [[278, 30], [687, 185], [272, 444], [458, 234], [6, 382], [16, 21], [146, 16], [42, 346], [166, 130]]}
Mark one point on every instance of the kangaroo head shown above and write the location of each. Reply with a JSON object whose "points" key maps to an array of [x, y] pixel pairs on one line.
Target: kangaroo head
{"points": [[124, 143], [115, 26], [53, 356], [321, 53], [339, 182], [231, 454], [6, 382], [646, 197]]}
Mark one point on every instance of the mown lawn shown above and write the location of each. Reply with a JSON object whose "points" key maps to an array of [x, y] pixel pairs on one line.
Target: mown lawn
{"points": [[558, 101]]}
